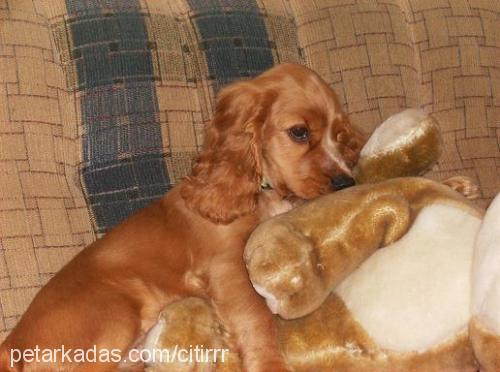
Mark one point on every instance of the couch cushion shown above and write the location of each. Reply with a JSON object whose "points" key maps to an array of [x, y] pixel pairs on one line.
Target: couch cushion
{"points": [[442, 56], [102, 103], [144, 79], [44, 219]]}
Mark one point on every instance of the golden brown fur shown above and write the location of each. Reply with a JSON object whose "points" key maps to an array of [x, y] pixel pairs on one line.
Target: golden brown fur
{"points": [[191, 241]]}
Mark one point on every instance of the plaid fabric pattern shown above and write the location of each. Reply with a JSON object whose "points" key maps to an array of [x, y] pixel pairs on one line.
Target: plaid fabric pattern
{"points": [[118, 64], [234, 38], [123, 166], [103, 102]]}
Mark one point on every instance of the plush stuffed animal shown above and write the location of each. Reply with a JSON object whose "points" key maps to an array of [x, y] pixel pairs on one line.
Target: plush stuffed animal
{"points": [[374, 277], [485, 324], [406, 144]]}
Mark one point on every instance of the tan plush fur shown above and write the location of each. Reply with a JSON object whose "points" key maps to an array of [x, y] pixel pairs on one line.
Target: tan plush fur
{"points": [[338, 344], [486, 346], [341, 344], [421, 150], [320, 243], [299, 257]]}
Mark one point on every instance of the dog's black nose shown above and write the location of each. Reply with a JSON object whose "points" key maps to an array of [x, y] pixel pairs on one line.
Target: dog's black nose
{"points": [[342, 182]]}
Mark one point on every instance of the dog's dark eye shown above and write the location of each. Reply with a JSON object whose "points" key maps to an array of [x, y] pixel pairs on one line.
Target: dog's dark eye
{"points": [[299, 133]]}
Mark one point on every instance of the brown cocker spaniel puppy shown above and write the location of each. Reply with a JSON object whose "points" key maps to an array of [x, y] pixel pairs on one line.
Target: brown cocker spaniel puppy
{"points": [[274, 140]]}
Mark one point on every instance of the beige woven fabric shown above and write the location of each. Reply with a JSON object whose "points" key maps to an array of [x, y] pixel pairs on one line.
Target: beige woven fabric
{"points": [[443, 56], [380, 56], [43, 216]]}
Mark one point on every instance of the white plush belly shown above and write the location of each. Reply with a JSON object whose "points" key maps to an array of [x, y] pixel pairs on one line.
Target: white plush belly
{"points": [[486, 270], [415, 293]]}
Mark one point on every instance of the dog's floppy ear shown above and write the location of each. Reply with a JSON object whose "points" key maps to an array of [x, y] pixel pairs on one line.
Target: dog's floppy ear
{"points": [[226, 179]]}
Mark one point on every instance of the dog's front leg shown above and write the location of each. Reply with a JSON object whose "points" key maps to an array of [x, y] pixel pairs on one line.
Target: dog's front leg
{"points": [[245, 315]]}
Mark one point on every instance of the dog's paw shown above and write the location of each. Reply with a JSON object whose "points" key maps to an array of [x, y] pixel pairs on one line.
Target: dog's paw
{"points": [[464, 185]]}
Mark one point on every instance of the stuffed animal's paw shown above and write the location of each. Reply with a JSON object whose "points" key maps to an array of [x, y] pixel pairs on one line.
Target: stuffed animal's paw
{"points": [[464, 185], [290, 280]]}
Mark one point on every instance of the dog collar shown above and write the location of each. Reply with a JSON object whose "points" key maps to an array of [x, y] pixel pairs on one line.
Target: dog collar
{"points": [[266, 184]]}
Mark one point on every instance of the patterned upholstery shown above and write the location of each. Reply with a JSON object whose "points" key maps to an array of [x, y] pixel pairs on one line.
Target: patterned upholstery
{"points": [[102, 102]]}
